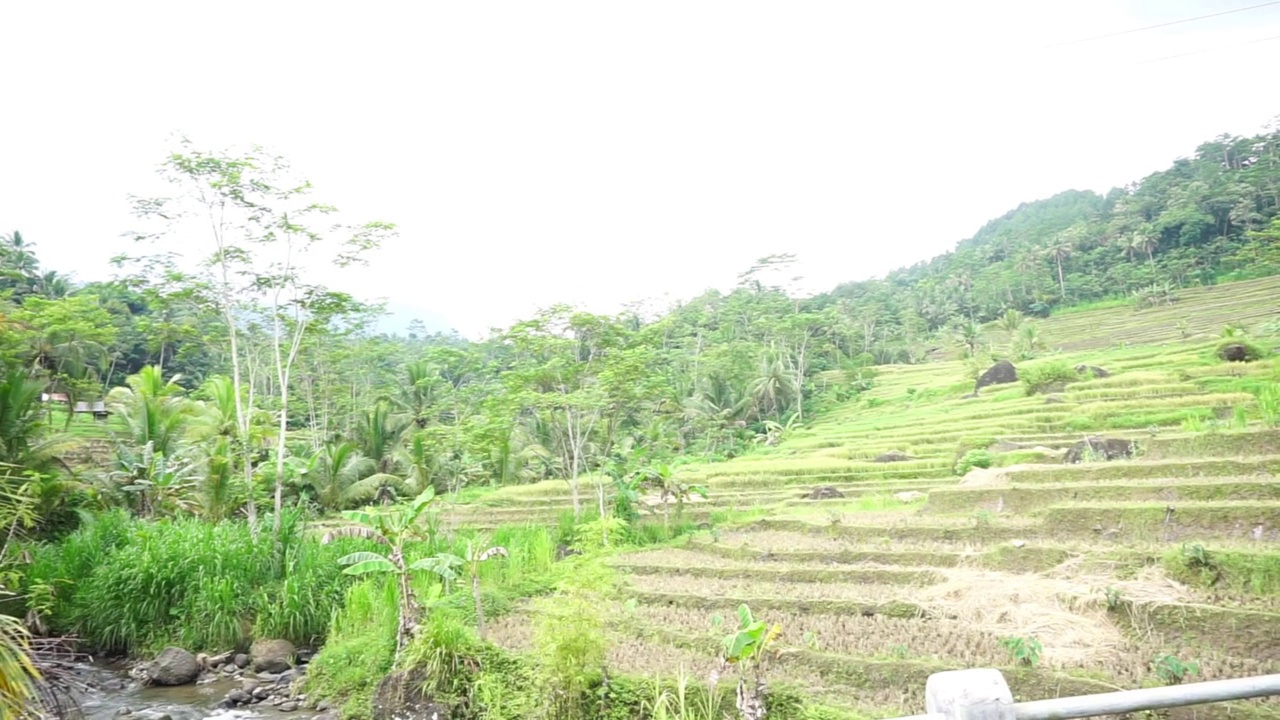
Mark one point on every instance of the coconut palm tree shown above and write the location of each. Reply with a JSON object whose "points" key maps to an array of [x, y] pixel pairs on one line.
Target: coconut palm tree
{"points": [[1061, 249], [155, 411], [774, 390], [23, 445], [339, 476], [379, 433]]}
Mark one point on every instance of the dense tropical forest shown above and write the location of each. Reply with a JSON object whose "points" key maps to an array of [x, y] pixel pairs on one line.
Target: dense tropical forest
{"points": [[239, 397]]}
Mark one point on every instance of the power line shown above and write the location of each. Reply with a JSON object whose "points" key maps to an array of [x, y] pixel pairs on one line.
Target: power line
{"points": [[1212, 49], [1167, 24]]}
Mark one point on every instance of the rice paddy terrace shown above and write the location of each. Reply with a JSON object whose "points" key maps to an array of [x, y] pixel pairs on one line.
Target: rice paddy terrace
{"points": [[1072, 578]]}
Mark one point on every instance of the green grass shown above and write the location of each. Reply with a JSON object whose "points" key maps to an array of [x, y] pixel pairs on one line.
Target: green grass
{"points": [[135, 586], [360, 648]]}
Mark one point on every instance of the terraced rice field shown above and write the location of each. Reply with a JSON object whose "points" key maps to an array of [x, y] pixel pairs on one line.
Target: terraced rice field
{"points": [[1125, 572]]}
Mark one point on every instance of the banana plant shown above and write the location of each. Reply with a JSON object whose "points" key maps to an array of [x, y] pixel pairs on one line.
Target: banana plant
{"points": [[478, 551], [391, 527], [746, 649]]}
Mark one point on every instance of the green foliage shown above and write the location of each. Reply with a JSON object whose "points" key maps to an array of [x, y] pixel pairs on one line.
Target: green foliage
{"points": [[570, 641], [1023, 651], [1114, 597], [360, 648], [1173, 671], [1252, 351], [973, 459], [1043, 376], [189, 583], [599, 533], [1269, 405]]}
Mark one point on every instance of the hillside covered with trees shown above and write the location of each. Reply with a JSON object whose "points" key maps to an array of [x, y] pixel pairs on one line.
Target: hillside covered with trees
{"points": [[569, 391]]}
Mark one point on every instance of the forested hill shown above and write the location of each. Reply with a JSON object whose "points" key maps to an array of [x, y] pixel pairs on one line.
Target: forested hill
{"points": [[1207, 218], [569, 391]]}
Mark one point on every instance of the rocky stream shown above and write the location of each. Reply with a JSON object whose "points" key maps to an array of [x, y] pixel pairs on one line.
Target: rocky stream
{"points": [[178, 685]]}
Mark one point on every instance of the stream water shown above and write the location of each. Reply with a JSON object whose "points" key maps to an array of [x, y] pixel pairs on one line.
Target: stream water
{"points": [[113, 695]]}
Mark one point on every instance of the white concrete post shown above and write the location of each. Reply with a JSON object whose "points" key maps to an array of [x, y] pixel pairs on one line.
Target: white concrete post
{"points": [[975, 694]]}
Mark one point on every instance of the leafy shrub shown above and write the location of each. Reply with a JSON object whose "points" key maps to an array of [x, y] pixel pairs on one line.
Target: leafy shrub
{"points": [[973, 459], [1252, 351], [1173, 671], [1040, 377], [1023, 650]]}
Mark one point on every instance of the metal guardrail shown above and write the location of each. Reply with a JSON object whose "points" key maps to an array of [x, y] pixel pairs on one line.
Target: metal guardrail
{"points": [[983, 694]]}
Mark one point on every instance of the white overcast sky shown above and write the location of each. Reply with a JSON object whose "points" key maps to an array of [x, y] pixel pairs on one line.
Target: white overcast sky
{"points": [[602, 152]]}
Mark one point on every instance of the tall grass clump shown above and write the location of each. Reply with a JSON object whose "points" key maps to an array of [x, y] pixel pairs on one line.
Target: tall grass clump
{"points": [[1269, 405], [129, 585], [360, 648], [1045, 376]]}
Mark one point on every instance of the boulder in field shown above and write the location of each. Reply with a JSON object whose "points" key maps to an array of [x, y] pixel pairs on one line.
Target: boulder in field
{"points": [[1002, 373], [1100, 448], [272, 656], [1093, 370], [1239, 352], [892, 456], [173, 666], [824, 492]]}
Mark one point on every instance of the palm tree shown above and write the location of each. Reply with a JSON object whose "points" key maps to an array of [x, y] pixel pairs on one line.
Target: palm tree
{"points": [[419, 391], [340, 475], [1143, 240], [154, 410], [1060, 250], [51, 285], [379, 432], [23, 446], [774, 390], [1010, 321], [18, 256], [969, 333]]}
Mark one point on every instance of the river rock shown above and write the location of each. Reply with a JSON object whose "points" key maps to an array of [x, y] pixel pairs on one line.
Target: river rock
{"points": [[124, 711], [274, 656], [239, 697], [173, 666], [241, 660], [288, 706], [262, 692]]}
